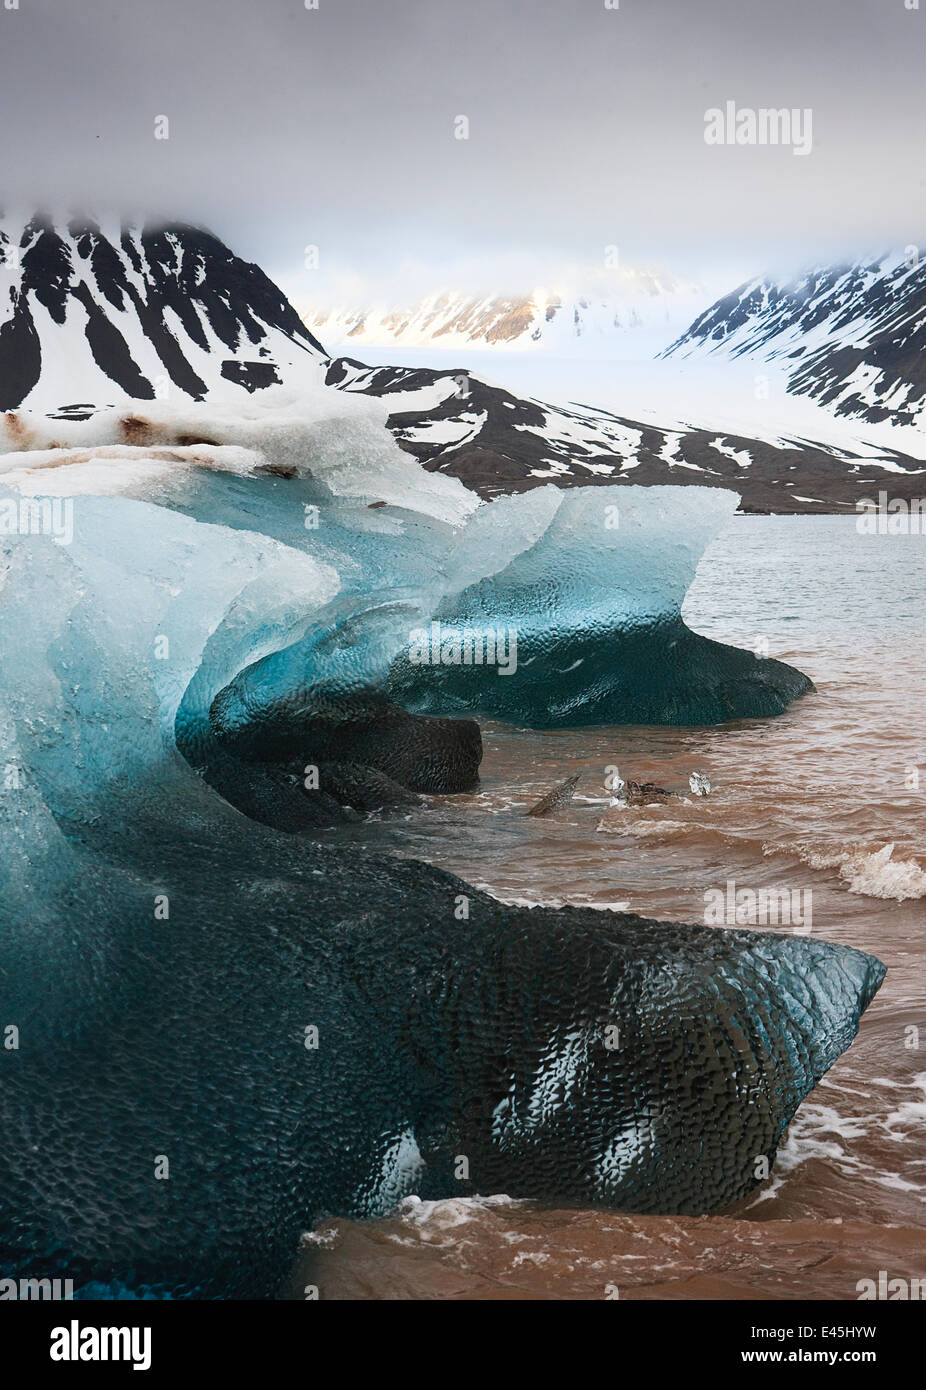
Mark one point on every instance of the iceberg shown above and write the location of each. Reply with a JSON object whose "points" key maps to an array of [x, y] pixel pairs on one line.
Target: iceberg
{"points": [[214, 1032], [589, 583]]}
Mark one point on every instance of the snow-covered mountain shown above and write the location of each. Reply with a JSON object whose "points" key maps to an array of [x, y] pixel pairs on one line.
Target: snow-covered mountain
{"points": [[457, 423], [96, 317], [637, 311], [851, 337], [90, 318]]}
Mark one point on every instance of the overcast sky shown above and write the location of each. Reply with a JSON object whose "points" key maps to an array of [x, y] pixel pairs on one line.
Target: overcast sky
{"points": [[335, 127]]}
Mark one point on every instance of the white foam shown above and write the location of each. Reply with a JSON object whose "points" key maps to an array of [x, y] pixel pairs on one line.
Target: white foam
{"points": [[872, 873], [622, 906], [878, 875], [645, 829], [451, 1212]]}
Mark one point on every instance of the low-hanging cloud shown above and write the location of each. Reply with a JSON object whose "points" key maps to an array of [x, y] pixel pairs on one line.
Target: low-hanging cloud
{"points": [[327, 142]]}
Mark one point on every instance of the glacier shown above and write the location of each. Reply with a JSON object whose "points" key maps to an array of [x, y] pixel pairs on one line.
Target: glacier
{"points": [[215, 1032]]}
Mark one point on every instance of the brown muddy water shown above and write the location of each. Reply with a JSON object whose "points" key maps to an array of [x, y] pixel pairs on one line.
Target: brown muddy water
{"points": [[827, 802]]}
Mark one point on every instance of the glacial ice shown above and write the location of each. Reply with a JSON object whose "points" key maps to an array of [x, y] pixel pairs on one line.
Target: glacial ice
{"points": [[163, 956], [590, 580]]}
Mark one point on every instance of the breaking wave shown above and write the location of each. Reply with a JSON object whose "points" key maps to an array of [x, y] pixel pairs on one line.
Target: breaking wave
{"points": [[873, 873]]}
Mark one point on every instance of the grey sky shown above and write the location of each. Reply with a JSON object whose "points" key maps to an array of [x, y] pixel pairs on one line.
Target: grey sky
{"points": [[334, 127]]}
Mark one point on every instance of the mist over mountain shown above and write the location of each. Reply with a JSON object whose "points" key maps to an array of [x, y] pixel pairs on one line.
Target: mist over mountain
{"points": [[628, 311], [852, 337], [97, 315]]}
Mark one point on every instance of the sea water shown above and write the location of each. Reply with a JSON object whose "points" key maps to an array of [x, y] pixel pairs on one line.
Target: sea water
{"points": [[828, 800]]}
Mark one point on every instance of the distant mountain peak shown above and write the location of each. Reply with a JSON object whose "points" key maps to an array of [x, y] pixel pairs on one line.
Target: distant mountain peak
{"points": [[641, 308], [93, 318], [851, 336]]}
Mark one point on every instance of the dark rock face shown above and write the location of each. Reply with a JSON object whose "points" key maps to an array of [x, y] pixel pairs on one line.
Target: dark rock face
{"points": [[872, 316], [516, 445], [90, 286], [571, 1056], [253, 376], [20, 357]]}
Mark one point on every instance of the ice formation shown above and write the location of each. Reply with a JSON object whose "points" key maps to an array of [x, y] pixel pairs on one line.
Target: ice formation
{"points": [[587, 582], [271, 1019]]}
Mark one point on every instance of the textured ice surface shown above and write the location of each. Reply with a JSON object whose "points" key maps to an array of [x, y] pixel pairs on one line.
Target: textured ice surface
{"points": [[162, 956], [589, 580], [493, 1039], [341, 440]]}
